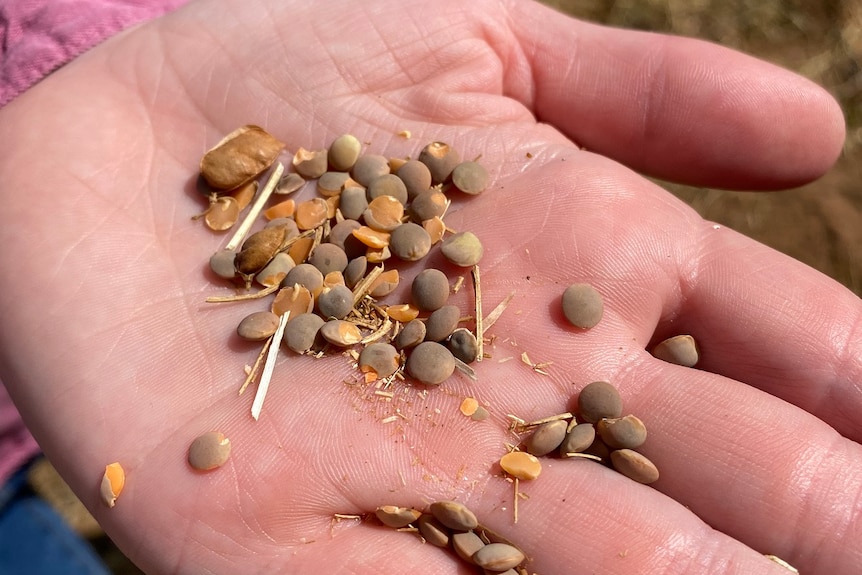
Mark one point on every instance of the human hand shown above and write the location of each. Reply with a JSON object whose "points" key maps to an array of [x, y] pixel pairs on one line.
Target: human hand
{"points": [[111, 353]]}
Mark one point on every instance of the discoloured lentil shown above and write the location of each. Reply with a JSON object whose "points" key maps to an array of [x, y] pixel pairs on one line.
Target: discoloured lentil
{"points": [[582, 305], [209, 451]]}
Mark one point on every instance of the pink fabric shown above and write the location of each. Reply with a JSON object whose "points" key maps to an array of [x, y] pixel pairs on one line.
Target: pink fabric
{"points": [[39, 36], [36, 38]]}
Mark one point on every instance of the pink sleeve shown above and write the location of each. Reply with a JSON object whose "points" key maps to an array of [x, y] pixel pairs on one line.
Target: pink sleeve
{"points": [[39, 36]]}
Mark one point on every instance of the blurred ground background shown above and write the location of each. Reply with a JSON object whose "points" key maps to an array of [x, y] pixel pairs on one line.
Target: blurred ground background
{"points": [[819, 224]]}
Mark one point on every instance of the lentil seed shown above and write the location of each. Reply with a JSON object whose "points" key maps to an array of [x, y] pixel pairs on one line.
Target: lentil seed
{"points": [[521, 464], [311, 213], [416, 177], [498, 557], [368, 168], [344, 151], [328, 258], [470, 177], [430, 363], [433, 531], [462, 249], [464, 345], [387, 185], [341, 235], [301, 331], [353, 203], [397, 517], [257, 326], [411, 335], [466, 544], [410, 242], [333, 184], [381, 358], [276, 270], [634, 466], [599, 399], [335, 302], [383, 213], [340, 333], [222, 264], [441, 323], [578, 439], [355, 271], [454, 515], [546, 437], [428, 204], [430, 289], [627, 432], [310, 164], [209, 451], [307, 276], [582, 305], [295, 299], [680, 350], [441, 159]]}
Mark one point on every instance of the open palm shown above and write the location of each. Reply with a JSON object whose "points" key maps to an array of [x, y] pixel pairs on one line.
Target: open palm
{"points": [[112, 354]]}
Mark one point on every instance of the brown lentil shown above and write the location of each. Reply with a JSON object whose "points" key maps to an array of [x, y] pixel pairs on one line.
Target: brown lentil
{"points": [[680, 349], [397, 517], [634, 465], [353, 203], [335, 302], [433, 531], [462, 249], [442, 322], [582, 305], [344, 151], [301, 332], [222, 264], [464, 345], [416, 177], [454, 515], [328, 258], [578, 439], [387, 185], [428, 204], [497, 557], [430, 289], [546, 437], [381, 358], [257, 326], [295, 299], [430, 363], [307, 276], [441, 159], [470, 177], [276, 270], [368, 168], [599, 399], [209, 451], [410, 242], [411, 335], [289, 183], [355, 271], [222, 214], [310, 164], [627, 432], [332, 184], [466, 544]]}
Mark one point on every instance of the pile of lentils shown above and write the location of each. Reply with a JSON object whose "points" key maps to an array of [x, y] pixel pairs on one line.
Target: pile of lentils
{"points": [[603, 434], [451, 525], [325, 256]]}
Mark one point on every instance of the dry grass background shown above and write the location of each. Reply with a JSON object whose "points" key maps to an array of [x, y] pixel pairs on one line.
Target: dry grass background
{"points": [[821, 223]]}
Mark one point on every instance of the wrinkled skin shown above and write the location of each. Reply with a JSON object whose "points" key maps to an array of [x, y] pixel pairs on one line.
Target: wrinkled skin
{"points": [[111, 353]]}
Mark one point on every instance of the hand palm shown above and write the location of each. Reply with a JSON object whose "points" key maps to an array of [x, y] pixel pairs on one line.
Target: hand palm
{"points": [[118, 358]]}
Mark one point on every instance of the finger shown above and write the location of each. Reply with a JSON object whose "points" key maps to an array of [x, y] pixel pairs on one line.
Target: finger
{"points": [[674, 108], [772, 322], [751, 465]]}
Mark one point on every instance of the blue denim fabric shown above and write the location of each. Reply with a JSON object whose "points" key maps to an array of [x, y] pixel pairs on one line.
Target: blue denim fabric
{"points": [[35, 540]]}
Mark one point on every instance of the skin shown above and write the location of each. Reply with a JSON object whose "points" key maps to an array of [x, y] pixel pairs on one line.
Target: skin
{"points": [[111, 354]]}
